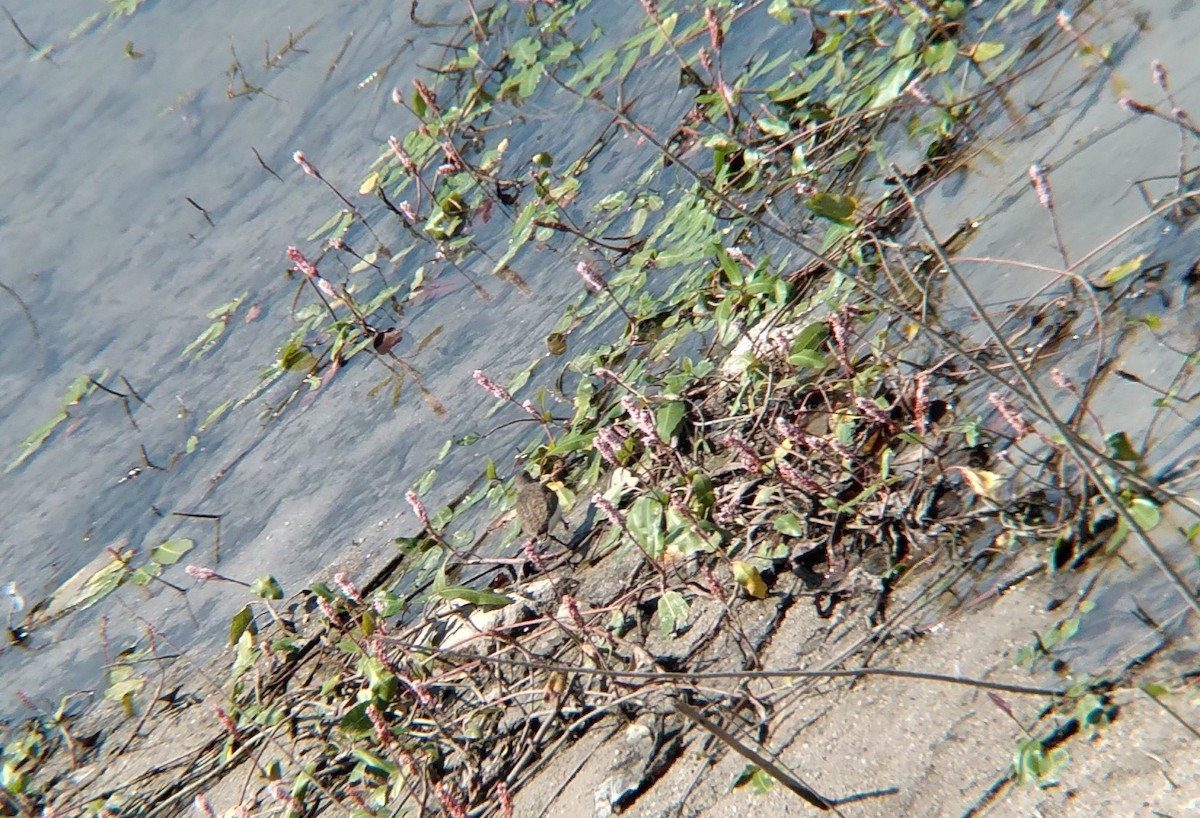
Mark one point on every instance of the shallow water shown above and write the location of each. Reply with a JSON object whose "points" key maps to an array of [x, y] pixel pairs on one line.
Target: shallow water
{"points": [[1093, 152], [119, 270]]}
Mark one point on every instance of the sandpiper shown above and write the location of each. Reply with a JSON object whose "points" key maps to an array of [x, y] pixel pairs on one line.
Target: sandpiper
{"points": [[537, 507]]}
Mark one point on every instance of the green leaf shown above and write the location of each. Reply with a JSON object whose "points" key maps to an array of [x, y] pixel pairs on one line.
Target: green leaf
{"points": [[703, 494], [668, 418], [103, 582], [32, 443], [1115, 274], [13, 779], [781, 10], [336, 226], [732, 270], [1119, 447], [205, 341], [356, 723], [214, 416], [1145, 512], [144, 575], [789, 525], [807, 358], [987, 50], [476, 596], [295, 357], [123, 684], [425, 482], [750, 579], [242, 621], [646, 525], [171, 551], [673, 613], [377, 763], [774, 126], [267, 588], [833, 206], [896, 81]]}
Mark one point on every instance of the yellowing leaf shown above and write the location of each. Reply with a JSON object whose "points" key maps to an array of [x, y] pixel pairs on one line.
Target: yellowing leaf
{"points": [[833, 206], [747, 576], [1115, 274], [369, 184], [987, 50], [984, 483]]}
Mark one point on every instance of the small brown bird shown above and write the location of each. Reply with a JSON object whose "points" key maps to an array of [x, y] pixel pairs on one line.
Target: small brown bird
{"points": [[537, 507]]}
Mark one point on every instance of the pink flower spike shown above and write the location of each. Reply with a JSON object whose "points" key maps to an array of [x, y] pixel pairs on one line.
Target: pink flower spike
{"points": [[346, 587], [299, 158], [591, 276], [1158, 74], [302, 263], [1019, 425], [1135, 107], [601, 502], [642, 417], [201, 574], [1041, 186], [418, 507], [201, 805], [494, 389]]}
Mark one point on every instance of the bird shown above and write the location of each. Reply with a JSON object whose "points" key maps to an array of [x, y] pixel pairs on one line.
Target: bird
{"points": [[537, 507]]}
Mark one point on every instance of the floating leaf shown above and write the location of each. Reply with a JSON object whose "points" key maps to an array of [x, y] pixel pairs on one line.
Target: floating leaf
{"points": [[336, 225], [145, 575], [32, 443], [1115, 274], [988, 50], [833, 206], [97, 580], [171, 551], [214, 416]]}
